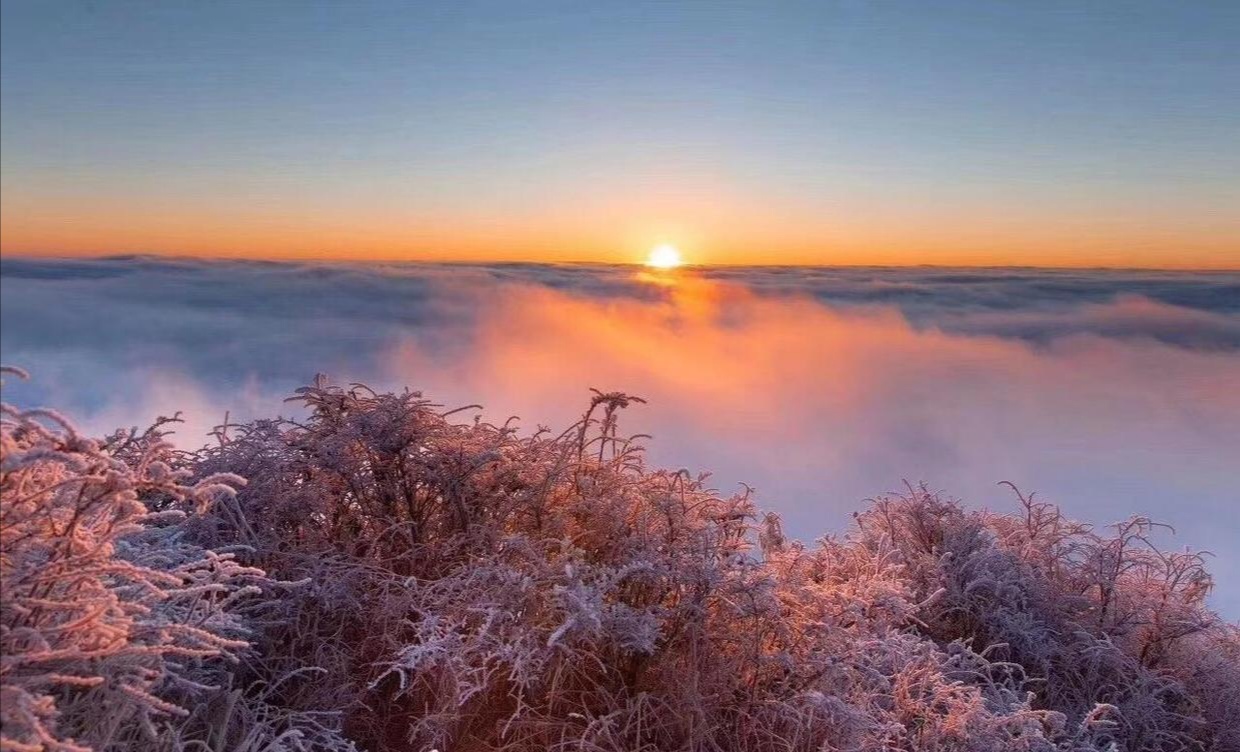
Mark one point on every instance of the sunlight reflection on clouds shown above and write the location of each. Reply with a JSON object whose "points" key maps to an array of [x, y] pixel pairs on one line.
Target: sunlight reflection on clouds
{"points": [[1112, 393]]}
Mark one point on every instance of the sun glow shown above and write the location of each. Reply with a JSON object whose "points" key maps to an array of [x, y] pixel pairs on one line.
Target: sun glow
{"points": [[664, 257]]}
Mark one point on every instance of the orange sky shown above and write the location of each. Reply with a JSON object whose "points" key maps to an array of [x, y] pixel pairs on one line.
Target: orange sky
{"points": [[824, 133], [722, 233]]}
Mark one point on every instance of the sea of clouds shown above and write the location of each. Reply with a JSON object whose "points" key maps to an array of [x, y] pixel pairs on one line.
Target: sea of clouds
{"points": [[1113, 393]]}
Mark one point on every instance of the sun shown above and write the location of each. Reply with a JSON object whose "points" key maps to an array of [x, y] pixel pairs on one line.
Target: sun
{"points": [[664, 257]]}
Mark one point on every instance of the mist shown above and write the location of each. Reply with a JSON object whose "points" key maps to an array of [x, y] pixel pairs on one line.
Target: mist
{"points": [[1109, 392]]}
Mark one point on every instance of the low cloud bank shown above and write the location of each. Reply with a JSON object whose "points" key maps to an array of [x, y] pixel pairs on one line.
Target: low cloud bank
{"points": [[1111, 392]]}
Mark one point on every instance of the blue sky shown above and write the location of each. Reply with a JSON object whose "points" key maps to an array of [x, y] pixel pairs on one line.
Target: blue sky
{"points": [[752, 131]]}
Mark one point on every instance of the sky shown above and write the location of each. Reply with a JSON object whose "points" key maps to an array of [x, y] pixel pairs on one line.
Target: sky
{"points": [[1033, 133], [1111, 393]]}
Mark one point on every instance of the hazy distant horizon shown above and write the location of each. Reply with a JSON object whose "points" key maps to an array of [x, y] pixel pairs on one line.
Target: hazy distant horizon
{"points": [[636, 262]]}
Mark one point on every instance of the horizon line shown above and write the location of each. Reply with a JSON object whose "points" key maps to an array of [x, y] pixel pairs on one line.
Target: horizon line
{"points": [[293, 259]]}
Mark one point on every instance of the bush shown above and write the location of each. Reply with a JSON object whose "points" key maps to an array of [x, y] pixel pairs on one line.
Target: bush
{"points": [[117, 633], [467, 587]]}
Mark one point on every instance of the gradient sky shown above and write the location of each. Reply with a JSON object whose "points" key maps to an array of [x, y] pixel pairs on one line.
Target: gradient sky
{"points": [[1057, 133]]}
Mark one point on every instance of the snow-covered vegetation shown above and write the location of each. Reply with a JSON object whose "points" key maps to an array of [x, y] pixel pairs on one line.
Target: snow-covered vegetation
{"points": [[386, 575]]}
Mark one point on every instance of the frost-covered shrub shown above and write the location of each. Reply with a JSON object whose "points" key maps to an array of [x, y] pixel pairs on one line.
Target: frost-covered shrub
{"points": [[1102, 623], [474, 588], [457, 585], [116, 632]]}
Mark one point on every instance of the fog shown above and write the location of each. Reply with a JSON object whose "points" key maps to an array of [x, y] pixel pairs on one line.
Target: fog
{"points": [[1112, 393]]}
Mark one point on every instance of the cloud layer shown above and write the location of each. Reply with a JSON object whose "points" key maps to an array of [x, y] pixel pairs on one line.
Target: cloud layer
{"points": [[1111, 392]]}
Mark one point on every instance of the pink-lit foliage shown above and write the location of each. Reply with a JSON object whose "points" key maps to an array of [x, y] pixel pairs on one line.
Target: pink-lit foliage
{"points": [[116, 631], [458, 585]]}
